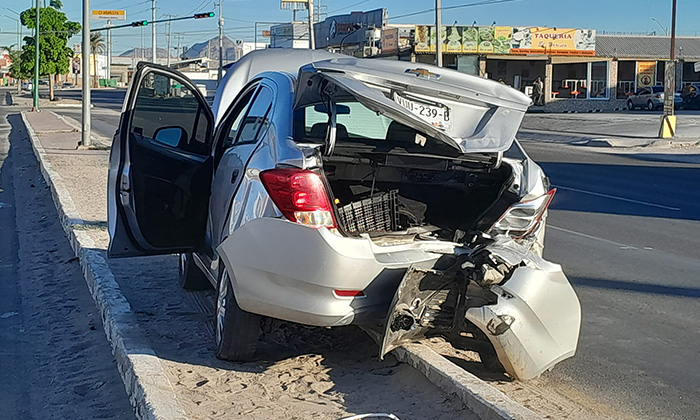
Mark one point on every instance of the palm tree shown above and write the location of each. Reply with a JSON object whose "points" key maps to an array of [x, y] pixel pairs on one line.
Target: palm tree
{"points": [[97, 45]]}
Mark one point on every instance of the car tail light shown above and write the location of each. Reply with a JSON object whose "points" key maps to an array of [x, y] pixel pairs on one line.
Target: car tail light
{"points": [[300, 195], [658, 96], [349, 293], [522, 218]]}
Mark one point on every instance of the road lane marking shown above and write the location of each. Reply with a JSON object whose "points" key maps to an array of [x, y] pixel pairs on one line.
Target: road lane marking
{"points": [[573, 232], [661, 206]]}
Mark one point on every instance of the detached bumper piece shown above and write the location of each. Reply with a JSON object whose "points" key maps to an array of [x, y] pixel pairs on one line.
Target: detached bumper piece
{"points": [[515, 303]]}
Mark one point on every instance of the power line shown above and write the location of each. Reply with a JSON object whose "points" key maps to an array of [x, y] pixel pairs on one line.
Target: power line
{"points": [[460, 6]]}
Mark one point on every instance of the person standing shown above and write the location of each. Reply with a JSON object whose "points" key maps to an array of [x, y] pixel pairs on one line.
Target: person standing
{"points": [[538, 92]]}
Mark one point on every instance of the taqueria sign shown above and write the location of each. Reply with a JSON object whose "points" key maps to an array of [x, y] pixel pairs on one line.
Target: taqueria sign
{"points": [[506, 40]]}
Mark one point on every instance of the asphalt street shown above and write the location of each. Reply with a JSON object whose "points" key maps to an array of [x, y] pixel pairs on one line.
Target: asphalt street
{"points": [[55, 361], [626, 229]]}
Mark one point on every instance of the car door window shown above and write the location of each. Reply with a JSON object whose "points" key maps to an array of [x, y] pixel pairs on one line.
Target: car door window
{"points": [[256, 121], [164, 104], [235, 118]]}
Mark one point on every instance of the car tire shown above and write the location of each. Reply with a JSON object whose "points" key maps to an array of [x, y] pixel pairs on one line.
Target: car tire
{"points": [[236, 331], [630, 105], [650, 106], [191, 276]]}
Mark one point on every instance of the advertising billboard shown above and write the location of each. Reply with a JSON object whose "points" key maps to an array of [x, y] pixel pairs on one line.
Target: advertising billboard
{"points": [[646, 72], [506, 40], [552, 41]]}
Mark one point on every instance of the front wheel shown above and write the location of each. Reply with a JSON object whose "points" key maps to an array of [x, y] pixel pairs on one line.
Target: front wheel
{"points": [[237, 331]]}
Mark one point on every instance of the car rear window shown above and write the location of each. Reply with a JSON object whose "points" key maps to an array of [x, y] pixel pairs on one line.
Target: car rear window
{"points": [[658, 89], [359, 123]]}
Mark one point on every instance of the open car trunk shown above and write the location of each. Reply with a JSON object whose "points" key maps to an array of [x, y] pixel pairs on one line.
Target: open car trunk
{"points": [[399, 198]]}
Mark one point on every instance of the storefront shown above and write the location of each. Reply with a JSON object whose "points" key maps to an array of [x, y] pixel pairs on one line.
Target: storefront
{"points": [[581, 70]]}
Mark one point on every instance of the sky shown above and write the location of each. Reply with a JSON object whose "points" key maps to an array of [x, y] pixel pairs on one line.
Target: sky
{"points": [[240, 16]]}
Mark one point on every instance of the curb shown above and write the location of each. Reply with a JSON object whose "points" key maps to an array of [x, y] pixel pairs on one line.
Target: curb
{"points": [[482, 399], [149, 390]]}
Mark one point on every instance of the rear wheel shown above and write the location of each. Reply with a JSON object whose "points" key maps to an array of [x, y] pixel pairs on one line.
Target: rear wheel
{"points": [[191, 277], [237, 331], [650, 105], [630, 105]]}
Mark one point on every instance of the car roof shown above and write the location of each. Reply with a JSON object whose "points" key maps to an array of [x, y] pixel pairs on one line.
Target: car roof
{"points": [[238, 75]]}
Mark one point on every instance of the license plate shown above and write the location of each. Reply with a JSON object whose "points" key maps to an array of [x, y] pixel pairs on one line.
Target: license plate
{"points": [[436, 115]]}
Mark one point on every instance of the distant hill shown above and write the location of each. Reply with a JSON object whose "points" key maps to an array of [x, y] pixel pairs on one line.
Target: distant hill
{"points": [[210, 49]]}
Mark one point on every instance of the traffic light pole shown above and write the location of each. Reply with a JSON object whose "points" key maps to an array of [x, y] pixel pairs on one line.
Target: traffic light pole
{"points": [[85, 50], [36, 61], [154, 53]]}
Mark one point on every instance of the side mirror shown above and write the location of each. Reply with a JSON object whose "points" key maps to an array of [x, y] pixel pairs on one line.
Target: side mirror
{"points": [[171, 136]]}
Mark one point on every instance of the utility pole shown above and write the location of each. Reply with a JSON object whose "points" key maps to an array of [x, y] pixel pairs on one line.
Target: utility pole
{"points": [[668, 121], [219, 74], [85, 49], [312, 41], [438, 33], [154, 56], [170, 35], [109, 50], [141, 55], [36, 60]]}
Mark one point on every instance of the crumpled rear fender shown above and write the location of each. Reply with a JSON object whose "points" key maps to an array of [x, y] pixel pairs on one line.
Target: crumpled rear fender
{"points": [[536, 322]]}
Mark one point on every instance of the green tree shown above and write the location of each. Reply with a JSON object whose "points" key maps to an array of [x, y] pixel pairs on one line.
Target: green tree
{"points": [[15, 67], [54, 53], [97, 45]]}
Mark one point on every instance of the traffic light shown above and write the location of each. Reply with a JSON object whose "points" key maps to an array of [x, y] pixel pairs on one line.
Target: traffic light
{"points": [[204, 15], [139, 23]]}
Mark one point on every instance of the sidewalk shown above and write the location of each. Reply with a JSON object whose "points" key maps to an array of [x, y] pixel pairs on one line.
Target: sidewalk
{"points": [[162, 335]]}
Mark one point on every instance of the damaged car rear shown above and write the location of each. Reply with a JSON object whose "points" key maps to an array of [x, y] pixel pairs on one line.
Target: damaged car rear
{"points": [[335, 191]]}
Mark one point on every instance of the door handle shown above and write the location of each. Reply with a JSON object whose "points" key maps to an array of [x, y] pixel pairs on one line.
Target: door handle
{"points": [[234, 176]]}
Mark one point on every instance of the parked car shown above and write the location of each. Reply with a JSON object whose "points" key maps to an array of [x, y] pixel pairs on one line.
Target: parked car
{"points": [[651, 98], [328, 190], [691, 97], [67, 85], [27, 86]]}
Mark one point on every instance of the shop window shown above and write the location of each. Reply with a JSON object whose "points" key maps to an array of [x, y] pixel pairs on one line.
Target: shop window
{"points": [[580, 80], [626, 73], [599, 80]]}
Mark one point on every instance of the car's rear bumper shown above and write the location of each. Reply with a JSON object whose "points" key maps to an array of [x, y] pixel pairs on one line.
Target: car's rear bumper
{"points": [[289, 271]]}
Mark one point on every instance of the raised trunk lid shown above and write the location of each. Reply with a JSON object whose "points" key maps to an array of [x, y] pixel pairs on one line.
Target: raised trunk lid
{"points": [[484, 116]]}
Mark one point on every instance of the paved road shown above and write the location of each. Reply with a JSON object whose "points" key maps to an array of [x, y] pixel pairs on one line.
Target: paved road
{"points": [[627, 231], [628, 124], [55, 361]]}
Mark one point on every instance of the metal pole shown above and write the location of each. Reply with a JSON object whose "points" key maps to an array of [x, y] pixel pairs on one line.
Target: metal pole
{"points": [[438, 33], [312, 41], [109, 51], [170, 35], [85, 49], [154, 56], [36, 60], [141, 53], [219, 74], [668, 122]]}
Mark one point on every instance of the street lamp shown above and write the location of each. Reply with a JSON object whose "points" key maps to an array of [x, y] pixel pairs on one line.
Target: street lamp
{"points": [[662, 26]]}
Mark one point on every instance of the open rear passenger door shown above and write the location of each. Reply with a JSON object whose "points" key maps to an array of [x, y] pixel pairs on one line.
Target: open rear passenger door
{"points": [[160, 166]]}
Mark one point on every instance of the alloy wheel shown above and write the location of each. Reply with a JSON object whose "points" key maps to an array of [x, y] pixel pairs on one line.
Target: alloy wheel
{"points": [[221, 302]]}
